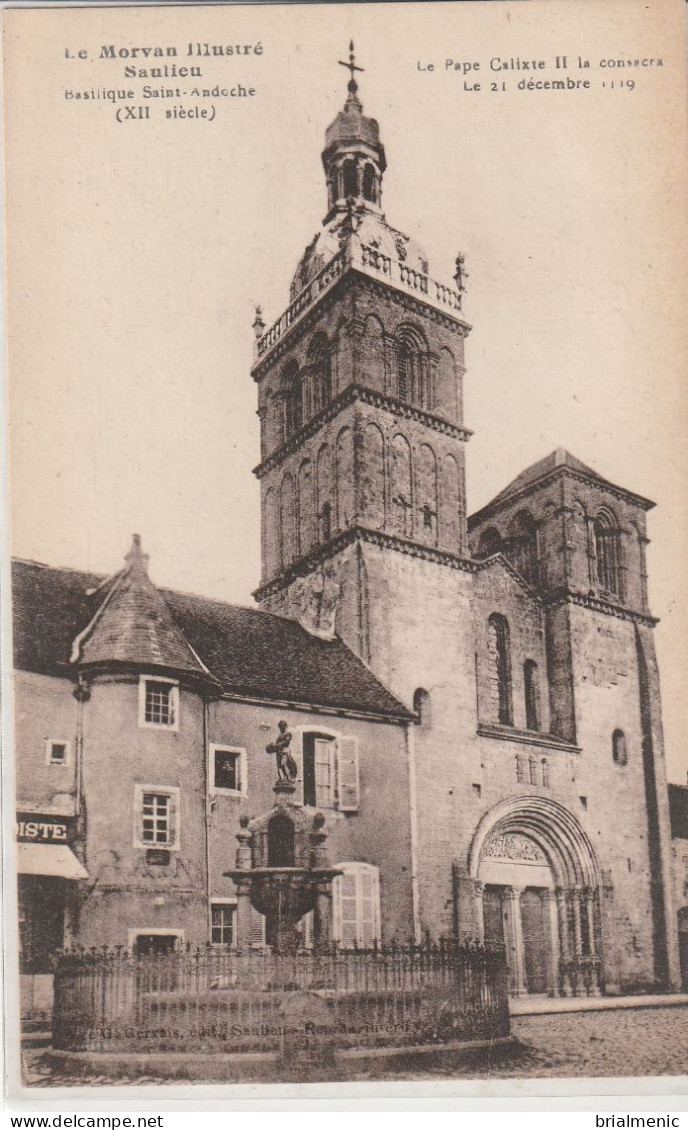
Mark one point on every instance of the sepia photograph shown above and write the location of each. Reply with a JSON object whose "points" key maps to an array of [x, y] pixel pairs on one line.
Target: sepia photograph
{"points": [[344, 633]]}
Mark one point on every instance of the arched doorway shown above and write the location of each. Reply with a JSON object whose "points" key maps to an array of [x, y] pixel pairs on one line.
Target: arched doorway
{"points": [[536, 885]]}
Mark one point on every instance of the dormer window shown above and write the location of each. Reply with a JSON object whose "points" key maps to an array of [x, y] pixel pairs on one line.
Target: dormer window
{"points": [[158, 703]]}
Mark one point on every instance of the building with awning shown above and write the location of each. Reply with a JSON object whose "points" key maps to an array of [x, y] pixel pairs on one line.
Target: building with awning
{"points": [[57, 861]]}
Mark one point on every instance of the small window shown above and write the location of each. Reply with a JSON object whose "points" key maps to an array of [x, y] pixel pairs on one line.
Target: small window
{"points": [[356, 906], [500, 674], [532, 694], [156, 817], [350, 179], [369, 183], [228, 770], [158, 703], [490, 542], [619, 750], [422, 708], [223, 923], [57, 753]]}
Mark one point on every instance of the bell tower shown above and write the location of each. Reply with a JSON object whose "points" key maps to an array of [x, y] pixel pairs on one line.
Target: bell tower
{"points": [[360, 405]]}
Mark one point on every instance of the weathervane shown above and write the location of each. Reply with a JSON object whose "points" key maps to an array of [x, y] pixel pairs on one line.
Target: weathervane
{"points": [[351, 66]]}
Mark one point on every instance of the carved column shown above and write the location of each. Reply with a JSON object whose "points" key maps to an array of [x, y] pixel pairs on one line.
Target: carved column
{"points": [[589, 896], [244, 859], [479, 889], [322, 916], [243, 919], [563, 923], [552, 911], [577, 935]]}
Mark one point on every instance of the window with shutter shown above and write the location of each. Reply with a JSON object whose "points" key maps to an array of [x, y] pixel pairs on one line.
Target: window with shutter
{"points": [[356, 905], [318, 761], [348, 790], [323, 750]]}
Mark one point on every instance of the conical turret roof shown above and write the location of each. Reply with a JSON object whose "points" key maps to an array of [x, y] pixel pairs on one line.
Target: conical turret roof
{"points": [[134, 625]]}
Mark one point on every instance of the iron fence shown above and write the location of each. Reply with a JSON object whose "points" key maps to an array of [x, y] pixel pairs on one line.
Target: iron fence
{"points": [[214, 999]]}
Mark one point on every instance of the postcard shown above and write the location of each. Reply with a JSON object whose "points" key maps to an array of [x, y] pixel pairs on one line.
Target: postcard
{"points": [[345, 703]]}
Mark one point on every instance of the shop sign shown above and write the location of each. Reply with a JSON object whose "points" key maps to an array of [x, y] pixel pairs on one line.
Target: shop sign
{"points": [[34, 828]]}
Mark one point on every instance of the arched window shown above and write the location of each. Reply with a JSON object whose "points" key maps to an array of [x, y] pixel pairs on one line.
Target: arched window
{"points": [[521, 546], [490, 542], [321, 372], [350, 179], [412, 382], [405, 360], [326, 522], [369, 183], [280, 841], [500, 676], [356, 906], [532, 694], [293, 398], [421, 707], [619, 750], [332, 190], [608, 552]]}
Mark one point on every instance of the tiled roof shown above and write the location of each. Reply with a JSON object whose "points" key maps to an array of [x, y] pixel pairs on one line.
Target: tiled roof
{"points": [[544, 467], [256, 653], [134, 625], [249, 652]]}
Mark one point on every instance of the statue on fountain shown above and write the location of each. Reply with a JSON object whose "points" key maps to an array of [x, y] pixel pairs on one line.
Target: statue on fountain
{"points": [[287, 769]]}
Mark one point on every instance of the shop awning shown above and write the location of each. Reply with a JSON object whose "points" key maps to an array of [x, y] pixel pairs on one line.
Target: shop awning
{"points": [[49, 859]]}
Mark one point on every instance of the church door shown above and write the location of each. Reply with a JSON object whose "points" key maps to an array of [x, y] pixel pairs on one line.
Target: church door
{"points": [[536, 939], [493, 918]]}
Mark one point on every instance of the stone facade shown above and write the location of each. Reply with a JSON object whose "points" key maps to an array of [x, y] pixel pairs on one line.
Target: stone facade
{"points": [[521, 637]]}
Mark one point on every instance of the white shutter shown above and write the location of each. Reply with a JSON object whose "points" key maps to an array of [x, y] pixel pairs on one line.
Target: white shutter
{"points": [[347, 774], [257, 928], [348, 905], [296, 750]]}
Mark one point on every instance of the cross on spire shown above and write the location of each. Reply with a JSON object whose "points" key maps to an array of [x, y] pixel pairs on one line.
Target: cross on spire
{"points": [[351, 66]]}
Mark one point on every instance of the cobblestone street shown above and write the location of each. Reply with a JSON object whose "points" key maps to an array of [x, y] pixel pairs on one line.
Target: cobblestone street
{"points": [[642, 1041]]}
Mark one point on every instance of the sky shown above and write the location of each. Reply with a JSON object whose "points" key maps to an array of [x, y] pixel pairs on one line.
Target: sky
{"points": [[137, 251]]}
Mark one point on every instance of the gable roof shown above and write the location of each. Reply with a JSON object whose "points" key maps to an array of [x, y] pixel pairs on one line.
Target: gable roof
{"points": [[59, 613], [557, 461]]}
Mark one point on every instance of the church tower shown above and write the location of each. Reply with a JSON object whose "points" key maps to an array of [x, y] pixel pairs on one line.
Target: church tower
{"points": [[360, 403]]}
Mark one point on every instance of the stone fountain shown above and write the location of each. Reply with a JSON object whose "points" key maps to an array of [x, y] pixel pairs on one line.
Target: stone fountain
{"points": [[282, 869]]}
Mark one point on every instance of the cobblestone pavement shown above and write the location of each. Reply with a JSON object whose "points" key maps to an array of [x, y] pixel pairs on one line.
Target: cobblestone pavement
{"points": [[643, 1041]]}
